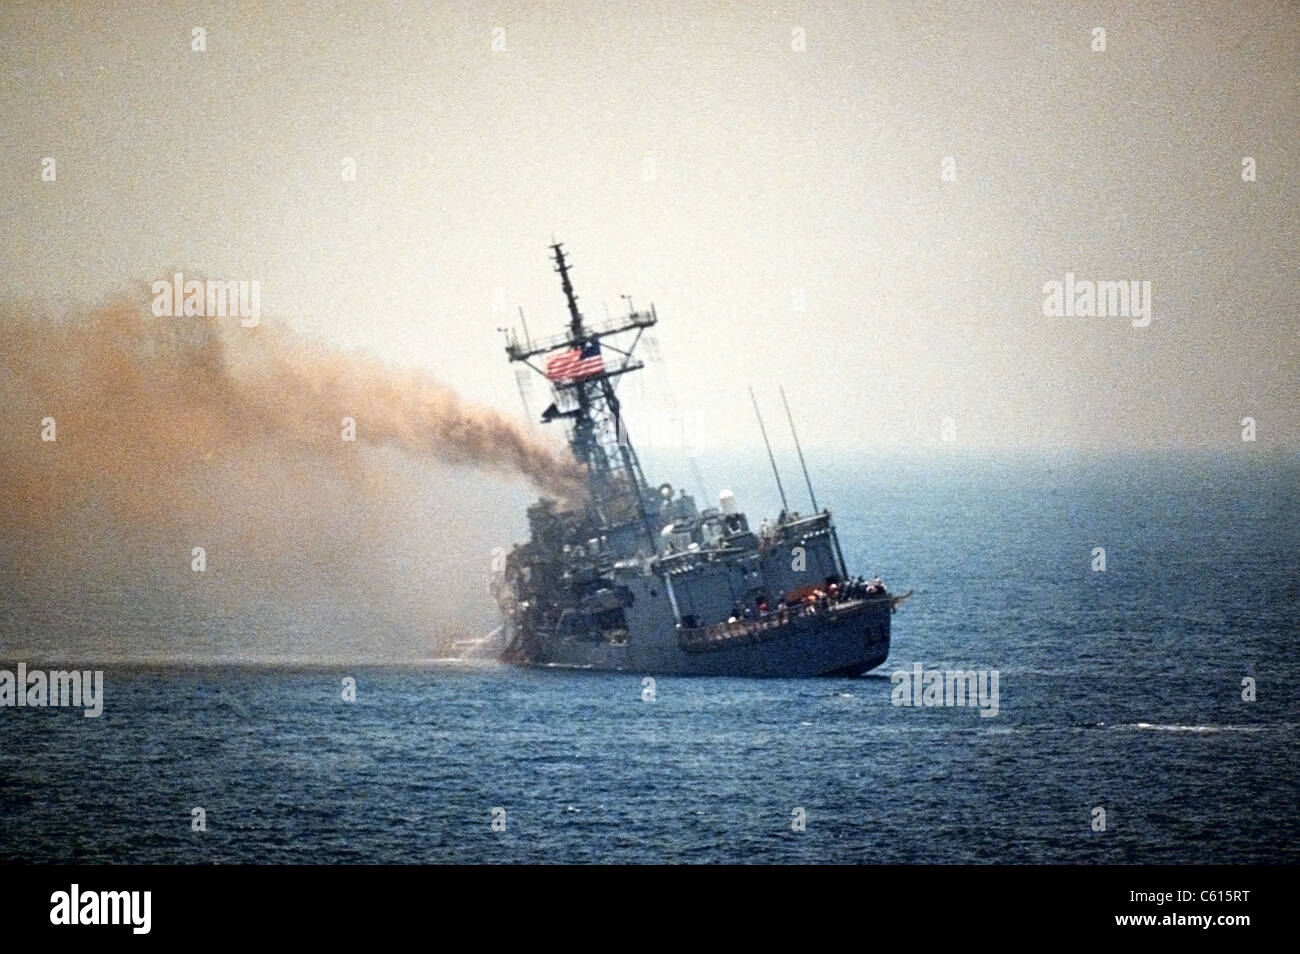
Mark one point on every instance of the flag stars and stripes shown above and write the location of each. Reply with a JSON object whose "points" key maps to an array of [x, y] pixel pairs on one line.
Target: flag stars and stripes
{"points": [[576, 363]]}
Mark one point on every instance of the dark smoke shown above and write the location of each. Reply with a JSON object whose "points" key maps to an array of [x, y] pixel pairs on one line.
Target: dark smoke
{"points": [[142, 403]]}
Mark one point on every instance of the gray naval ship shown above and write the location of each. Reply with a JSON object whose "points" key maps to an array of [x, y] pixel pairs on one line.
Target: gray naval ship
{"points": [[631, 578]]}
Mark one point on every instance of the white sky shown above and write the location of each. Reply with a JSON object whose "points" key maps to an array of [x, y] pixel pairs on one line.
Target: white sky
{"points": [[775, 170]]}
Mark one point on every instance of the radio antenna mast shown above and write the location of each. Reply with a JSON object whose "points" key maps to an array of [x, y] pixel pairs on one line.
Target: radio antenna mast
{"points": [[812, 496], [775, 473]]}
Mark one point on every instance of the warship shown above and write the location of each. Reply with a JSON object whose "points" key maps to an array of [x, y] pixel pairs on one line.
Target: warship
{"points": [[629, 577]]}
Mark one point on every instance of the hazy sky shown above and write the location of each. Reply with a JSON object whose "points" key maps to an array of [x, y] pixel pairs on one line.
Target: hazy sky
{"points": [[777, 173]]}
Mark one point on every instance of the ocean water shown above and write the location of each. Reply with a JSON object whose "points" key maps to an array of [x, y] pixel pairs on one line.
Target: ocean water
{"points": [[1119, 690]]}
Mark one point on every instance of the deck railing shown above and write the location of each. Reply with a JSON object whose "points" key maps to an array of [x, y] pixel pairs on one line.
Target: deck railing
{"points": [[770, 624]]}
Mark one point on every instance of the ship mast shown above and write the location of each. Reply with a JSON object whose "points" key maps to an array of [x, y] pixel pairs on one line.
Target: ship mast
{"points": [[598, 437], [575, 317]]}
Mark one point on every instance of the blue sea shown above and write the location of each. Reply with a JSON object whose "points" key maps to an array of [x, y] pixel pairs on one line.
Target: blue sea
{"points": [[1119, 690]]}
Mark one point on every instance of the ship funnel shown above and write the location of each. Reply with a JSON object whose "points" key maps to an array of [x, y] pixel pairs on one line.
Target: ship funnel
{"points": [[727, 503]]}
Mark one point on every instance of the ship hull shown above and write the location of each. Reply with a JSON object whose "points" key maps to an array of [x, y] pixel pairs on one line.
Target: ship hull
{"points": [[826, 644]]}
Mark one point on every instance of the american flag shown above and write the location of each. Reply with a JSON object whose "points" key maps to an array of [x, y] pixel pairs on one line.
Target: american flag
{"points": [[576, 363]]}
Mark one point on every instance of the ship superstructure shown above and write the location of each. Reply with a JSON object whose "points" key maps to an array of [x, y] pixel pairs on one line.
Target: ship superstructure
{"points": [[632, 577]]}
